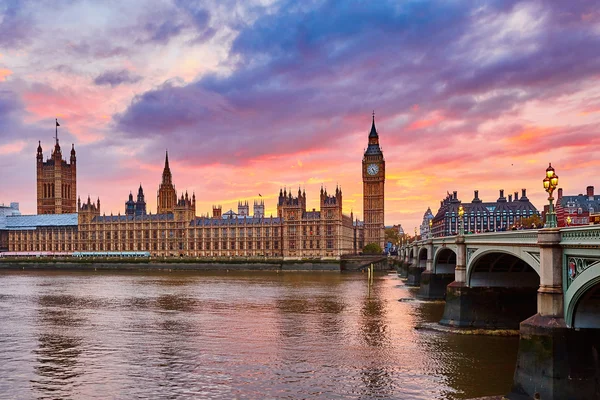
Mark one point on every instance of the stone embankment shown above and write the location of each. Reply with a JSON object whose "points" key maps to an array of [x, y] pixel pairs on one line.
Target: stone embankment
{"points": [[172, 265]]}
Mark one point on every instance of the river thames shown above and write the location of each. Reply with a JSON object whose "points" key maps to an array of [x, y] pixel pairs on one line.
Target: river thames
{"points": [[235, 335]]}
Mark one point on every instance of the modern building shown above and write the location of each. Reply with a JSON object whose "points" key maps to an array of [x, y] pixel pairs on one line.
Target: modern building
{"points": [[504, 213], [577, 208], [373, 173], [175, 230], [424, 228]]}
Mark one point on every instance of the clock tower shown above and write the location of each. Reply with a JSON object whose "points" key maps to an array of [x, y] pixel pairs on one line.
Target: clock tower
{"points": [[373, 172]]}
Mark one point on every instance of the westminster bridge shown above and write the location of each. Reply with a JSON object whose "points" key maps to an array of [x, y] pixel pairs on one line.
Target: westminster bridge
{"points": [[546, 283]]}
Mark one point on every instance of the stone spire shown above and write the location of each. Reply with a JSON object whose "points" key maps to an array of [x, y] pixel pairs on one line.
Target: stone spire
{"points": [[166, 176]]}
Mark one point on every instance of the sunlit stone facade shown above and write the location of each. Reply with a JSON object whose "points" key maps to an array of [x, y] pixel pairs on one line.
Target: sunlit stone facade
{"points": [[176, 231]]}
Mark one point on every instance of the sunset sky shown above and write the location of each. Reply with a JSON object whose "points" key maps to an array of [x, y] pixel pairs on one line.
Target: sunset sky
{"points": [[253, 96]]}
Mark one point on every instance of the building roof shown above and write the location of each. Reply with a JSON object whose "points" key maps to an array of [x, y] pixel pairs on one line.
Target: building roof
{"points": [[373, 148], [449, 206], [582, 201], [25, 222], [234, 221], [125, 218]]}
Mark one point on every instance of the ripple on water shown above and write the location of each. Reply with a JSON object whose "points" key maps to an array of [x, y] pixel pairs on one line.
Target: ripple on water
{"points": [[313, 336]]}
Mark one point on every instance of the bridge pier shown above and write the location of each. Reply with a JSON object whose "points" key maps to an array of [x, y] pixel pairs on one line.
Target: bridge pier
{"points": [[553, 360], [435, 281], [414, 275], [487, 307], [414, 270], [433, 286]]}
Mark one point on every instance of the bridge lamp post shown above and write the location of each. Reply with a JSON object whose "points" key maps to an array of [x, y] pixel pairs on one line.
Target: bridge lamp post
{"points": [[550, 184], [461, 226], [415, 233], [568, 220]]}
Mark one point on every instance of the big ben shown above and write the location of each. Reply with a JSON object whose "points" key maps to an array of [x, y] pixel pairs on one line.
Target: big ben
{"points": [[373, 172]]}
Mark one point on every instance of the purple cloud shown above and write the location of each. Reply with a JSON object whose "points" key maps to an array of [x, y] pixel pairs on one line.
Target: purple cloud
{"points": [[302, 74], [15, 25], [116, 78]]}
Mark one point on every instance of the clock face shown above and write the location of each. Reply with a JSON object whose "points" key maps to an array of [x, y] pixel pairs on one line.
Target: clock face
{"points": [[373, 169]]}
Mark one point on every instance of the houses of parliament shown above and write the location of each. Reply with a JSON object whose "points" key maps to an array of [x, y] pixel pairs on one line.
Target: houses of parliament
{"points": [[65, 224]]}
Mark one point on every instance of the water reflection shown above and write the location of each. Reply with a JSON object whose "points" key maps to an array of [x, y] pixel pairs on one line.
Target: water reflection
{"points": [[376, 374], [57, 355], [237, 335]]}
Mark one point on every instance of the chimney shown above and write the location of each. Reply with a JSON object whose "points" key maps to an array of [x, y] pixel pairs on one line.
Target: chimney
{"points": [[516, 196], [455, 193], [590, 193], [476, 198], [560, 194], [501, 199], [510, 198], [524, 195]]}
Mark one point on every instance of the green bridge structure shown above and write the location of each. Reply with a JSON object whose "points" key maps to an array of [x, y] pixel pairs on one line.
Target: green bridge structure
{"points": [[545, 283]]}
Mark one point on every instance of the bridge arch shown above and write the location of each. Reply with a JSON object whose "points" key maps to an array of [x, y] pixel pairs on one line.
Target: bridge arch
{"points": [[444, 261], [502, 268], [422, 258], [582, 299]]}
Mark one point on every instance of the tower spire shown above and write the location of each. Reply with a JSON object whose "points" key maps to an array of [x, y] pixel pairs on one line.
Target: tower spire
{"points": [[56, 131], [373, 133], [167, 179]]}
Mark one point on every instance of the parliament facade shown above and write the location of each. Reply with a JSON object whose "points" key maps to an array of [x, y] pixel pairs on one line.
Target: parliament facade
{"points": [[176, 231]]}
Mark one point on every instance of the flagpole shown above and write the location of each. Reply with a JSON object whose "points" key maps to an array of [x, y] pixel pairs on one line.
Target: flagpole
{"points": [[56, 130]]}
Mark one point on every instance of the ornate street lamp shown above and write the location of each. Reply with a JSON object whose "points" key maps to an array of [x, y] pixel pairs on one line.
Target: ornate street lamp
{"points": [[415, 233], [550, 184], [568, 220], [461, 214]]}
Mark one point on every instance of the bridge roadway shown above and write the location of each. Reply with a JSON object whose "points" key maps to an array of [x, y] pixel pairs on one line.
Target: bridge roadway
{"points": [[546, 283]]}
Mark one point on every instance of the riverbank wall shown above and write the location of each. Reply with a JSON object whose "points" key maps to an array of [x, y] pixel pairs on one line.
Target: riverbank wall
{"points": [[173, 265]]}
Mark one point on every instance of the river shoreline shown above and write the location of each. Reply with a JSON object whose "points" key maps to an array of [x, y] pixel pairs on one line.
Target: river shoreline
{"points": [[172, 265]]}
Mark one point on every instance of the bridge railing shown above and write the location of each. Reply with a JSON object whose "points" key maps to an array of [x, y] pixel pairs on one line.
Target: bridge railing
{"points": [[521, 237], [528, 236], [588, 235]]}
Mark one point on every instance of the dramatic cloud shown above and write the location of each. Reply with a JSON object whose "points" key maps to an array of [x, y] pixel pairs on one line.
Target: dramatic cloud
{"points": [[116, 78], [251, 96]]}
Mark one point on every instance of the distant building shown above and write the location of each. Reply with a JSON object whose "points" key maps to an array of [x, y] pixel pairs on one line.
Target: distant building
{"points": [[244, 210], [577, 207], [136, 207], [424, 228], [175, 231], [503, 214]]}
